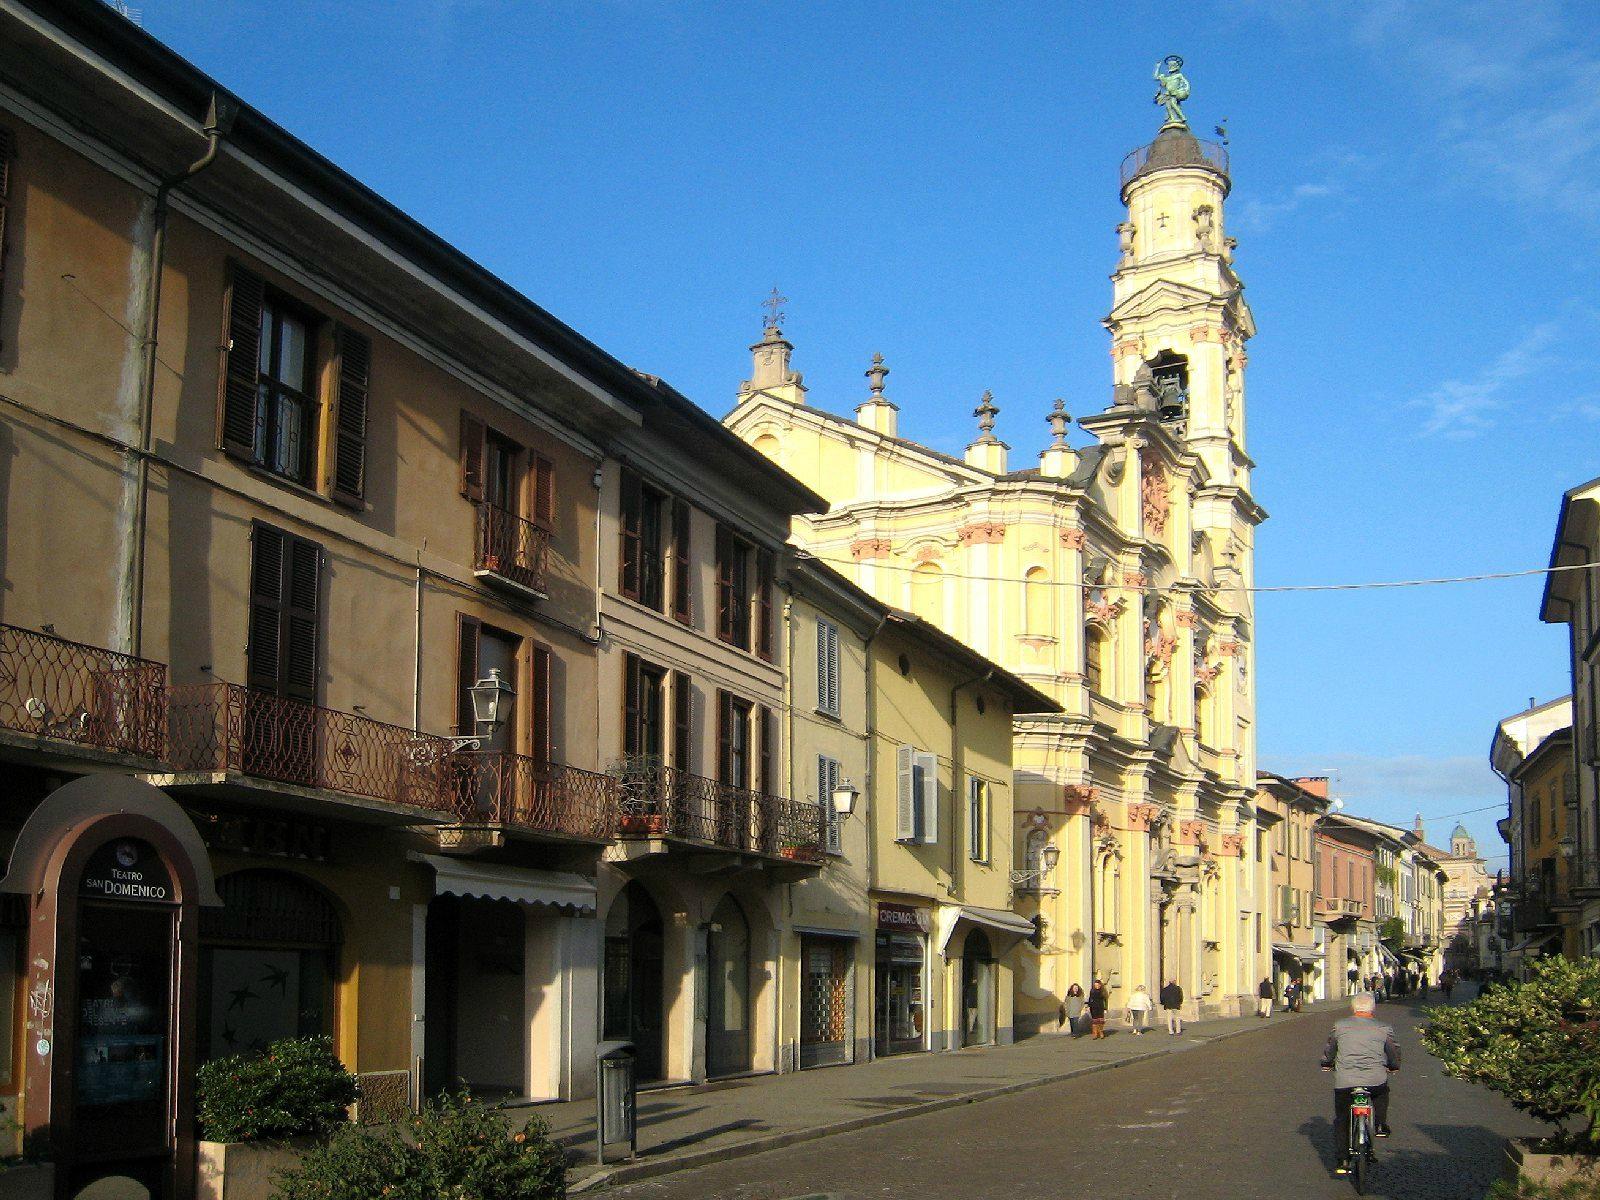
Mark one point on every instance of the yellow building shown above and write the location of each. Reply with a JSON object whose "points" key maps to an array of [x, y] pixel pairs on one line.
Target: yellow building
{"points": [[1287, 812], [1113, 577], [1543, 905]]}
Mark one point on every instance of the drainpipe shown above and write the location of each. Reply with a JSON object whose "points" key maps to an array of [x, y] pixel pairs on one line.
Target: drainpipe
{"points": [[416, 645], [957, 763], [219, 119]]}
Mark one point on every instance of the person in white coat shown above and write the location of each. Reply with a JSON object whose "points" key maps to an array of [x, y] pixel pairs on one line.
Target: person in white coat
{"points": [[1139, 1006]]}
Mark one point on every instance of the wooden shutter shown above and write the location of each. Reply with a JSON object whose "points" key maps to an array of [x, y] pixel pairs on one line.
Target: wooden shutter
{"points": [[768, 730], [544, 493], [632, 524], [241, 374], [468, 632], [827, 784], [541, 715], [680, 562], [350, 423], [681, 743], [725, 719], [765, 639], [300, 620], [977, 822], [828, 697], [473, 436], [263, 653], [927, 799], [905, 815], [632, 705], [8, 153], [285, 587], [726, 624]]}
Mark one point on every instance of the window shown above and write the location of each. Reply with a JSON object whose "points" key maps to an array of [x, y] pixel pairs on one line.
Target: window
{"points": [[682, 740], [977, 820], [917, 796], [643, 731], [642, 563], [733, 740], [480, 649], [1202, 716], [1094, 658], [8, 152], [270, 406], [828, 776], [733, 588], [285, 589], [828, 668]]}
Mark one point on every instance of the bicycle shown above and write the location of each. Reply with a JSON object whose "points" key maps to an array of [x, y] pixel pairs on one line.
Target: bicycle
{"points": [[1361, 1136]]}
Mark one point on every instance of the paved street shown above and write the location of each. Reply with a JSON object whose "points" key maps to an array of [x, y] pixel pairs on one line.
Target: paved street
{"points": [[1246, 1117]]}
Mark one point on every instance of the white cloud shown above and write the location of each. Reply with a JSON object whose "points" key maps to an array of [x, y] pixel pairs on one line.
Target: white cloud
{"points": [[1465, 407]]}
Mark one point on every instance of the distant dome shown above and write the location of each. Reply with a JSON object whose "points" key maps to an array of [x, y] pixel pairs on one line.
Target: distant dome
{"points": [[1460, 834], [1175, 146]]}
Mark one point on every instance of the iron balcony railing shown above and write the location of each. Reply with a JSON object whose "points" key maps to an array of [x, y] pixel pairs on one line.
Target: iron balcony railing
{"points": [[227, 728], [1185, 152], [1583, 874], [1339, 906], [511, 547], [662, 801], [72, 692], [520, 792]]}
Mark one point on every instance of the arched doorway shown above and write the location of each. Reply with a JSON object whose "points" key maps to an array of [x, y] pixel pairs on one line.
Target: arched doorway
{"points": [[633, 968], [728, 990], [977, 990]]}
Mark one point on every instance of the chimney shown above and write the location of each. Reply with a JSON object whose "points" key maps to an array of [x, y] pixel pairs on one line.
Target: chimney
{"points": [[878, 413], [1317, 785], [988, 453]]}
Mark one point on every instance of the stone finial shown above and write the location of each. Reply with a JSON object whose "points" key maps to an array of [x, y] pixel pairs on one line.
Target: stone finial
{"points": [[878, 412], [986, 412], [771, 375], [875, 377], [1059, 419]]}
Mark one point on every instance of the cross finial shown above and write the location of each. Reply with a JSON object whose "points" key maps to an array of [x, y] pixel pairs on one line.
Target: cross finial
{"points": [[875, 376], [774, 305], [1059, 419], [985, 412]]}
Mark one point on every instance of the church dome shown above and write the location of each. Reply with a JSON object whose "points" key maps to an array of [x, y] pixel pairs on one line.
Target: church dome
{"points": [[1460, 833], [1175, 146]]}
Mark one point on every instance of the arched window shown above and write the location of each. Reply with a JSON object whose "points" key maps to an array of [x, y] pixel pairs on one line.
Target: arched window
{"points": [[1108, 895], [768, 445], [1202, 716], [1096, 646], [1036, 602], [1156, 691], [268, 962], [927, 592]]}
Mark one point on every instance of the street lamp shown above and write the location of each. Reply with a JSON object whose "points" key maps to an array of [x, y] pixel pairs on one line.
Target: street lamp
{"points": [[492, 698], [1048, 857], [844, 798]]}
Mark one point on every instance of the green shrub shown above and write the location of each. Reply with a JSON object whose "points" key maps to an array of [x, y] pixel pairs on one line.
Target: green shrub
{"points": [[456, 1149], [1537, 1044], [297, 1088]]}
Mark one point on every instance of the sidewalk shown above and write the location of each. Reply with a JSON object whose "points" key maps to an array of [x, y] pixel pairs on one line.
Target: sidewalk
{"points": [[691, 1126]]}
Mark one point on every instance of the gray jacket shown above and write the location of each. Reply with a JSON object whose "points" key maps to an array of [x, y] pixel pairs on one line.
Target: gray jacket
{"points": [[1362, 1052]]}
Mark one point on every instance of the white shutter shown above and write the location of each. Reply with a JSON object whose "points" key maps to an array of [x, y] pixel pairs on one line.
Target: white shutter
{"points": [[828, 783], [905, 815], [928, 807], [828, 668]]}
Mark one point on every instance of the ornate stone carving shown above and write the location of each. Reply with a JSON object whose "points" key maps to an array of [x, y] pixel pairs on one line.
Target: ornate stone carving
{"points": [[1134, 579], [1232, 845], [1186, 618], [981, 533], [1125, 232], [1102, 610], [928, 552], [1078, 798], [1154, 492], [1205, 676], [1074, 539], [1229, 649], [1141, 817], [1191, 833], [1159, 645], [870, 548]]}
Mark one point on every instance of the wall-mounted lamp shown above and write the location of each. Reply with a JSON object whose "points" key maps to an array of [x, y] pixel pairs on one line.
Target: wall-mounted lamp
{"points": [[844, 798]]}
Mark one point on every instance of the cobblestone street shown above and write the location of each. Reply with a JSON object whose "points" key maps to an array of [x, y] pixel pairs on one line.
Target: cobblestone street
{"points": [[1246, 1117]]}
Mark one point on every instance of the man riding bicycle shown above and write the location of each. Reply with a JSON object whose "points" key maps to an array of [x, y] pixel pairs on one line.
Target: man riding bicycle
{"points": [[1361, 1053]]}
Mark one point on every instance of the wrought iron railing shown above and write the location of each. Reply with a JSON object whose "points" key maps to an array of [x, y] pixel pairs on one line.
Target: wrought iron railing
{"points": [[511, 547], [1188, 152], [1340, 906], [1583, 873], [225, 727], [662, 801], [499, 788], [53, 688]]}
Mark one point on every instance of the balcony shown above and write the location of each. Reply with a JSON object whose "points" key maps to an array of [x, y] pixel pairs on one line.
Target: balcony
{"points": [[1338, 908], [1583, 874], [232, 741], [662, 803], [1532, 911], [510, 551], [60, 698], [500, 791]]}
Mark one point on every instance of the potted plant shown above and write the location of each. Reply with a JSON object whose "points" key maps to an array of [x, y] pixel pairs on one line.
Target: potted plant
{"points": [[259, 1113], [1537, 1044]]}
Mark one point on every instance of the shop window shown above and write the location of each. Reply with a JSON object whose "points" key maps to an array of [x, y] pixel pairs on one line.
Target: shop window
{"points": [[268, 963]]}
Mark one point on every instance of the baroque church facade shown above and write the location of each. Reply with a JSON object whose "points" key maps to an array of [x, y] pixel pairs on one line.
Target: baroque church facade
{"points": [[1115, 578]]}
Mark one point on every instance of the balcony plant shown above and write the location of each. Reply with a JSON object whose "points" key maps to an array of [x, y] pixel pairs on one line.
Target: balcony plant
{"points": [[1537, 1044]]}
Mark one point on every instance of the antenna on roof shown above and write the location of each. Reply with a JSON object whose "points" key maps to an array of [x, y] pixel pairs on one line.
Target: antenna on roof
{"points": [[123, 9]]}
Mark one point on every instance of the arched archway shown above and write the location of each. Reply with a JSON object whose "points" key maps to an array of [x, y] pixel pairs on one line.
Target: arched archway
{"points": [[728, 1009], [978, 994], [633, 971]]}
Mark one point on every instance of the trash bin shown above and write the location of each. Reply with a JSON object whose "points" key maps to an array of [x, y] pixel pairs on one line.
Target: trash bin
{"points": [[616, 1096]]}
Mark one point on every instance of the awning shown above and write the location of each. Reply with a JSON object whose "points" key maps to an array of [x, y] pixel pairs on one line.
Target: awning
{"points": [[1388, 955], [1532, 940], [1303, 954], [567, 893], [999, 920]]}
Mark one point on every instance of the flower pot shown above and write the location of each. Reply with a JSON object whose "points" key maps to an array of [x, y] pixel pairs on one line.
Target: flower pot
{"points": [[28, 1181], [653, 824], [1525, 1159], [244, 1170], [798, 853]]}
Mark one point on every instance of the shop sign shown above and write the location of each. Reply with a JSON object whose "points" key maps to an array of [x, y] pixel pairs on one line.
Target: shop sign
{"points": [[904, 917], [269, 837], [129, 870]]}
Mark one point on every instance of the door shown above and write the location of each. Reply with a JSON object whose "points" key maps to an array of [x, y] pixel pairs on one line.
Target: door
{"points": [[728, 990], [827, 1008], [977, 990], [634, 962]]}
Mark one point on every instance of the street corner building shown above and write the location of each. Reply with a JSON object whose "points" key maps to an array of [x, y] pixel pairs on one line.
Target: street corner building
{"points": [[1113, 577]]}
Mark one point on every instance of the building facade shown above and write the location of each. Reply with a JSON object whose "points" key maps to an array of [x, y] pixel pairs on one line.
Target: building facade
{"points": [[1113, 577], [1287, 814], [1541, 885], [1346, 903]]}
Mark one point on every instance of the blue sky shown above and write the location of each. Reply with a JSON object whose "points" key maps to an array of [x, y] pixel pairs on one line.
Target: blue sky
{"points": [[1417, 199]]}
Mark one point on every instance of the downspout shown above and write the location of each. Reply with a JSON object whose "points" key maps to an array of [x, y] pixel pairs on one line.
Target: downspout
{"points": [[416, 644], [219, 119]]}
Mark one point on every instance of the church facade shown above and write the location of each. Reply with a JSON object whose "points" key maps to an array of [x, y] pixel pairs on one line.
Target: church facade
{"points": [[1113, 576]]}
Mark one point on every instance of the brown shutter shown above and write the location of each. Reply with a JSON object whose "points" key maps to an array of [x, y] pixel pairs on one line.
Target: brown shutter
{"points": [[764, 630], [632, 705], [632, 522], [8, 152], [472, 449], [541, 715], [350, 425], [725, 719], [769, 752], [468, 631], [303, 582], [246, 293], [680, 561], [681, 744], [263, 653], [544, 493], [725, 597]]}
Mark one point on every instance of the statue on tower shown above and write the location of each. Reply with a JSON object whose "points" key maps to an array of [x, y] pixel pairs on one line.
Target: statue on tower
{"points": [[1174, 91]]}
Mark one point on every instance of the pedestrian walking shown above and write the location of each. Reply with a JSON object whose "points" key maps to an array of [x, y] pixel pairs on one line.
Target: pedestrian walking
{"points": [[1172, 1005], [1264, 998], [1291, 995], [1097, 1002], [1139, 1006], [1353, 978], [1074, 1007]]}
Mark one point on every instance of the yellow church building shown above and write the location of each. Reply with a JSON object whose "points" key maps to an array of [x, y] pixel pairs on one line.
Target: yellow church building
{"points": [[1114, 577]]}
